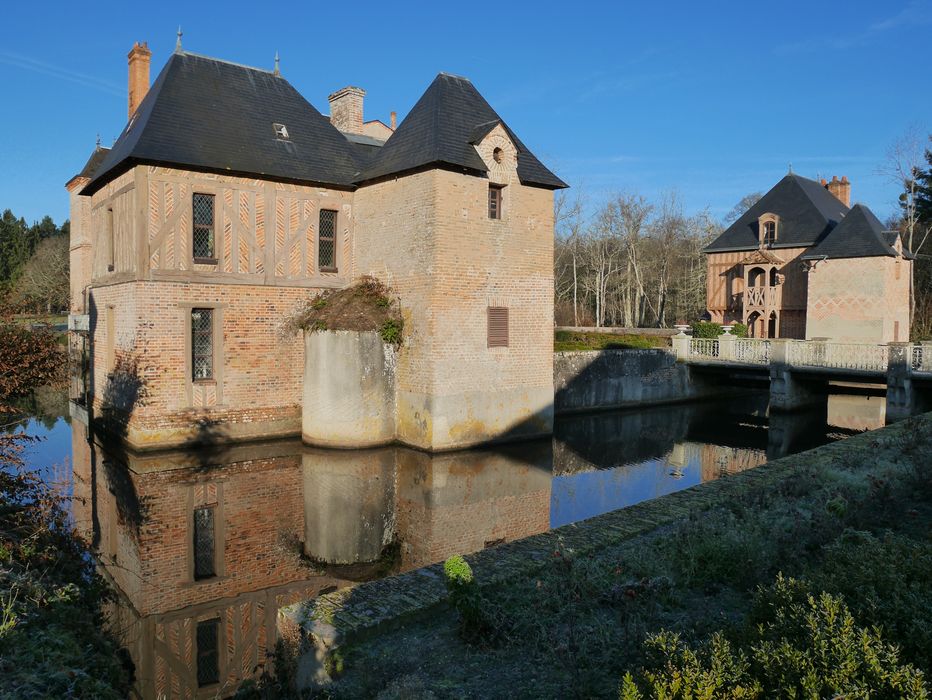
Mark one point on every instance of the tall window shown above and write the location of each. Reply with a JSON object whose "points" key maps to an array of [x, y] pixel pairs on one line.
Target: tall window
{"points": [[203, 237], [495, 201], [204, 543], [770, 232], [110, 243], [208, 652], [498, 327], [202, 344], [326, 241]]}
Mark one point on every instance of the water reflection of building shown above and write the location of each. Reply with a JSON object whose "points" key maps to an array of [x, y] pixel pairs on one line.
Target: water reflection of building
{"points": [[203, 548]]}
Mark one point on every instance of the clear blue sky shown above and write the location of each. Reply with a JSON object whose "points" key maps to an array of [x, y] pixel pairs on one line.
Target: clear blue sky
{"points": [[712, 99]]}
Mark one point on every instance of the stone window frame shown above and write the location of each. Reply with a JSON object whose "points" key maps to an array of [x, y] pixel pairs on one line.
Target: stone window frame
{"points": [[218, 356], [110, 234], [336, 237], [499, 200], [217, 619], [205, 192], [762, 222], [219, 535]]}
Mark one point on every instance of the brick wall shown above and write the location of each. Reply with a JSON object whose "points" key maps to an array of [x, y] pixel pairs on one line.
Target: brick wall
{"points": [[429, 236], [258, 371], [860, 300]]}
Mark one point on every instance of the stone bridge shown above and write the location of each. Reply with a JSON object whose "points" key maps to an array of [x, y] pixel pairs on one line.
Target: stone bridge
{"points": [[796, 367]]}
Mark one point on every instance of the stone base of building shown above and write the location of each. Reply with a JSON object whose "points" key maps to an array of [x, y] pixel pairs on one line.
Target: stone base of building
{"points": [[199, 428], [352, 400]]}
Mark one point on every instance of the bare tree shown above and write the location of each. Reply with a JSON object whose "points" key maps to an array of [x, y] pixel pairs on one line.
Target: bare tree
{"points": [[903, 166], [43, 282], [745, 203], [568, 224]]}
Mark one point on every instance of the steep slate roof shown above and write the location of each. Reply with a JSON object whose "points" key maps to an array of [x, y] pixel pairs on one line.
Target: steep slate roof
{"points": [[442, 128], [203, 113], [859, 235], [807, 213]]}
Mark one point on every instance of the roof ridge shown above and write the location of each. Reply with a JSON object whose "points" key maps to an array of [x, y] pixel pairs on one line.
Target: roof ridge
{"points": [[229, 63]]}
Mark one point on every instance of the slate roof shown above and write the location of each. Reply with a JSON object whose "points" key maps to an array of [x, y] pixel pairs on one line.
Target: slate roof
{"points": [[807, 213], [442, 128], [93, 163], [859, 235], [209, 114]]}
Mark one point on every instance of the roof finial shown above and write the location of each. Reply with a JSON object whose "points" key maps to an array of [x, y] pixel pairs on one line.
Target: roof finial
{"points": [[178, 42], [791, 168], [98, 141], [277, 69]]}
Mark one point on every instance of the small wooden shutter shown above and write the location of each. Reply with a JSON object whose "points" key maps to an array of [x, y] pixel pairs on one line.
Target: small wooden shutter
{"points": [[498, 327]]}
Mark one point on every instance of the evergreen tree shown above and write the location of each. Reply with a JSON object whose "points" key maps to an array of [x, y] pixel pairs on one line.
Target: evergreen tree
{"points": [[924, 190]]}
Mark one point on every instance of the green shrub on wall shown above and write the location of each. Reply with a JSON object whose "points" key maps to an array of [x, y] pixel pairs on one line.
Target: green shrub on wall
{"points": [[706, 329]]}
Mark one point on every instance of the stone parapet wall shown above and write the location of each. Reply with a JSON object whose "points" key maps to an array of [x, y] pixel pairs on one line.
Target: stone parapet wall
{"points": [[601, 379]]}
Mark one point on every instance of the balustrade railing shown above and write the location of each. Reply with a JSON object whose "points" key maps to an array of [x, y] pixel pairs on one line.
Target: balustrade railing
{"points": [[859, 356], [707, 348], [752, 350], [762, 297], [916, 358]]}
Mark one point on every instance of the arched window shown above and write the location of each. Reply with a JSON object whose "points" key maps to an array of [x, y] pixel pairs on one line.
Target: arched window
{"points": [[774, 277], [767, 225]]}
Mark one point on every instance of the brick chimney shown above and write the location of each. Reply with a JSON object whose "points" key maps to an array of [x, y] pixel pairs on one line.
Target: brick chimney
{"points": [[346, 109], [840, 188], [139, 58]]}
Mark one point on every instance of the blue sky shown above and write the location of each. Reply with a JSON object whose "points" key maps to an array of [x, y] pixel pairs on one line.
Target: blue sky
{"points": [[711, 99]]}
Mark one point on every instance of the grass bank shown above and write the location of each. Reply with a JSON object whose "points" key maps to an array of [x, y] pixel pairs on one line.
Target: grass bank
{"points": [[818, 582], [571, 341]]}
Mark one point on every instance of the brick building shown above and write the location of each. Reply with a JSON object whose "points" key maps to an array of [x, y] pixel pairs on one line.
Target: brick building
{"points": [[801, 263], [228, 199]]}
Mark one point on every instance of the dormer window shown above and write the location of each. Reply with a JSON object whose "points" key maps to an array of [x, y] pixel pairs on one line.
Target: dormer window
{"points": [[770, 232], [281, 131], [767, 227]]}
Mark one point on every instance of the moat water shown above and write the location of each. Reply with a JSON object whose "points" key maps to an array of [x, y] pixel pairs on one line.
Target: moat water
{"points": [[204, 546]]}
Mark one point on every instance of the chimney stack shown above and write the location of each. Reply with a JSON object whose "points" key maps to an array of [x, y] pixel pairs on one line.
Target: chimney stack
{"points": [[840, 188], [394, 120], [139, 58], [346, 109]]}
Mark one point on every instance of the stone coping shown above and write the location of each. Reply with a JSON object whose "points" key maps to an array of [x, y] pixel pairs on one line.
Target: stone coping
{"points": [[352, 614]]}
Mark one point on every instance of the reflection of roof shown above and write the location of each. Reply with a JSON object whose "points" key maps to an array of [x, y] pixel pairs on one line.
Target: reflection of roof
{"points": [[806, 209], [761, 257], [859, 235]]}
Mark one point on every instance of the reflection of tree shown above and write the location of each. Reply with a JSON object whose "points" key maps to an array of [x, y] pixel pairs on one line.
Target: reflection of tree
{"points": [[45, 405]]}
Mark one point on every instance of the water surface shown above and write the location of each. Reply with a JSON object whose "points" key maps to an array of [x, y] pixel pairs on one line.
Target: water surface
{"points": [[203, 546]]}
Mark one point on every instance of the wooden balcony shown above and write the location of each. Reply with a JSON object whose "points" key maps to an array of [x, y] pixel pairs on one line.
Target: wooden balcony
{"points": [[763, 297]]}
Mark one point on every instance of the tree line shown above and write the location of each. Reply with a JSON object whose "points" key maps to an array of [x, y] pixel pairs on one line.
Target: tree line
{"points": [[33, 264], [634, 263]]}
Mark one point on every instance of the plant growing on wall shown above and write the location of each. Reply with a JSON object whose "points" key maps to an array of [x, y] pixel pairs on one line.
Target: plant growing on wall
{"points": [[367, 305], [706, 329]]}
